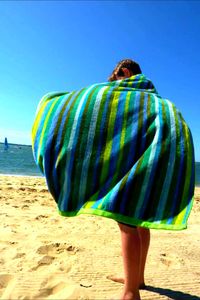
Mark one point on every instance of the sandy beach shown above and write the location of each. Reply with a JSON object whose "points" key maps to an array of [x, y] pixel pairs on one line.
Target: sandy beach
{"points": [[46, 256]]}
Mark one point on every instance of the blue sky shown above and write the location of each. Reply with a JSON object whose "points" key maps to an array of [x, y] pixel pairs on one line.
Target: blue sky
{"points": [[65, 45]]}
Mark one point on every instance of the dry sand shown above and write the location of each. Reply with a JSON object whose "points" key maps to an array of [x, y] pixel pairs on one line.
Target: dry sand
{"points": [[46, 256]]}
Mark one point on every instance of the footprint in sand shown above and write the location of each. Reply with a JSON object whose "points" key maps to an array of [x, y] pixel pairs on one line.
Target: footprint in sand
{"points": [[56, 248], [4, 280], [45, 260]]}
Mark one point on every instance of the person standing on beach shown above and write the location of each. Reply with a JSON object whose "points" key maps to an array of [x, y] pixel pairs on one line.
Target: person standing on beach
{"points": [[119, 150], [135, 241]]}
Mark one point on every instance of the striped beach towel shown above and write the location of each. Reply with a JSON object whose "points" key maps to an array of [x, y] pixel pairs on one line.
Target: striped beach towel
{"points": [[117, 150]]}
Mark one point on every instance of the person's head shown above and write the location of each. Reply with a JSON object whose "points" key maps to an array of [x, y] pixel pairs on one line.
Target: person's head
{"points": [[125, 69]]}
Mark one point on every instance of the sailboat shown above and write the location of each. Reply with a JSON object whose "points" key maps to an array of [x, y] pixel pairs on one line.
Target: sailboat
{"points": [[6, 144]]}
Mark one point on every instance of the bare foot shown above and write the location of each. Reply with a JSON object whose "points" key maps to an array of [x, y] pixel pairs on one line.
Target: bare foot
{"points": [[142, 285], [130, 296]]}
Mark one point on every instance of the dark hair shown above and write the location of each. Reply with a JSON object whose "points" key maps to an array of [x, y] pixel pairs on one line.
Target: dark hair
{"points": [[125, 63]]}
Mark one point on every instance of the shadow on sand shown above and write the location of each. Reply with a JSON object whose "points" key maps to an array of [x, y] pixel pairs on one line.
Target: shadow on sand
{"points": [[175, 295]]}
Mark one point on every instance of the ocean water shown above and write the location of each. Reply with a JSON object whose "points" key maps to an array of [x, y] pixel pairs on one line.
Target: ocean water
{"points": [[18, 160]]}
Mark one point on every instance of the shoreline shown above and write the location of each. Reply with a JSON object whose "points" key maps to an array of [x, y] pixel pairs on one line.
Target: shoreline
{"points": [[42, 176], [19, 175]]}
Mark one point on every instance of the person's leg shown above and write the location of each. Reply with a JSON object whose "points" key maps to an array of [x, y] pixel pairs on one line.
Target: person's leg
{"points": [[144, 235], [131, 247]]}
